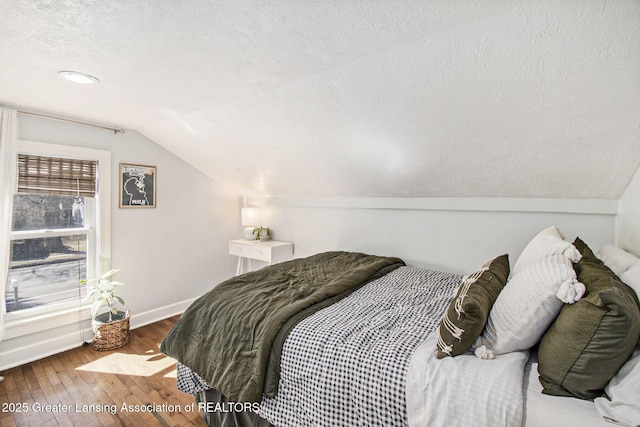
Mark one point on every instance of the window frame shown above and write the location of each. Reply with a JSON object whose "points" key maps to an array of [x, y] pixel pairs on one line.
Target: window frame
{"points": [[98, 233]]}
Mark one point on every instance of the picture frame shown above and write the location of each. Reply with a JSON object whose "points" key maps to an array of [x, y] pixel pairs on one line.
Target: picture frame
{"points": [[137, 186]]}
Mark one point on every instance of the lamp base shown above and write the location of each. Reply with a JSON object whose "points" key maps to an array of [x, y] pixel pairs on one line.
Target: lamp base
{"points": [[248, 233]]}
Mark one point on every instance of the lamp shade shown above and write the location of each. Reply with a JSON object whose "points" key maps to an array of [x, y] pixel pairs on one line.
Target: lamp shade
{"points": [[250, 216]]}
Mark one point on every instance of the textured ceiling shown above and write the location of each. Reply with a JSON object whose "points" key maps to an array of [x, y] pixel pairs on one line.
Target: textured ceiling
{"points": [[351, 98]]}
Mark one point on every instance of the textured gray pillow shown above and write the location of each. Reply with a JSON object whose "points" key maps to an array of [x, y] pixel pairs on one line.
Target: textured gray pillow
{"points": [[591, 339], [467, 313]]}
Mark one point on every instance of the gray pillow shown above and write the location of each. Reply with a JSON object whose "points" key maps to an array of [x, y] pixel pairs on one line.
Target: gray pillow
{"points": [[590, 340], [467, 313]]}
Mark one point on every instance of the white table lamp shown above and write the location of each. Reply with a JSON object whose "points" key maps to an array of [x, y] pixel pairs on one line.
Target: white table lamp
{"points": [[250, 219]]}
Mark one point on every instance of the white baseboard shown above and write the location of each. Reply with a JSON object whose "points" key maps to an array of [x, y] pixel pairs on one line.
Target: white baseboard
{"points": [[19, 350], [157, 314]]}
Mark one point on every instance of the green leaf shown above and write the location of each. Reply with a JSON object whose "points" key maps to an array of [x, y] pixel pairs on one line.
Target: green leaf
{"points": [[90, 294], [109, 274]]}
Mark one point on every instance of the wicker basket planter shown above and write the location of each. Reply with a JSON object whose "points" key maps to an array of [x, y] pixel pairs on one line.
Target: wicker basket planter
{"points": [[110, 335]]}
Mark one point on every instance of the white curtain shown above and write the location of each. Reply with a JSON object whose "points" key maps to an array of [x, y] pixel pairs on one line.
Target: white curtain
{"points": [[8, 153]]}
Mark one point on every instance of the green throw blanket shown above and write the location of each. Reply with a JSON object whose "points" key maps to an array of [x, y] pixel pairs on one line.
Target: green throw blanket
{"points": [[226, 336]]}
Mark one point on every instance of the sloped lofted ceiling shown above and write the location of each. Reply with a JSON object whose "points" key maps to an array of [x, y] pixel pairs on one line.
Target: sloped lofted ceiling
{"points": [[403, 98]]}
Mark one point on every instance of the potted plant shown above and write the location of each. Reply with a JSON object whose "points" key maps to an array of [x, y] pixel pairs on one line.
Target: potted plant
{"points": [[262, 233], [110, 328]]}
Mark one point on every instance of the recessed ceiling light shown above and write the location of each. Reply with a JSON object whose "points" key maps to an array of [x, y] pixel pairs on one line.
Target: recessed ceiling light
{"points": [[76, 77]]}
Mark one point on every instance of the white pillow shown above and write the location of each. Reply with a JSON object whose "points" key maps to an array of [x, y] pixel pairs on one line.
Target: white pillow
{"points": [[617, 259], [528, 304], [631, 277], [549, 241], [623, 390], [624, 264]]}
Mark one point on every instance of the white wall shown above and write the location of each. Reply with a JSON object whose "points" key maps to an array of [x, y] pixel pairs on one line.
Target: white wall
{"points": [[173, 253], [167, 256], [456, 235], [628, 230]]}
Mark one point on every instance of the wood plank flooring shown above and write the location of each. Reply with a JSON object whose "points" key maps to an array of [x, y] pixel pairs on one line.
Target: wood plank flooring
{"points": [[84, 387]]}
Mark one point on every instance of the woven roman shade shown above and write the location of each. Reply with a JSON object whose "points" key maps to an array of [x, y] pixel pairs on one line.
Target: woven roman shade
{"points": [[56, 176]]}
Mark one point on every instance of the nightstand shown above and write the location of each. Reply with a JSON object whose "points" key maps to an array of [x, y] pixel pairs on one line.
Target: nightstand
{"points": [[270, 251]]}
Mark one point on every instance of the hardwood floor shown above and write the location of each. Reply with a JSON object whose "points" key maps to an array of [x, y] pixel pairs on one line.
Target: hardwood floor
{"points": [[84, 387]]}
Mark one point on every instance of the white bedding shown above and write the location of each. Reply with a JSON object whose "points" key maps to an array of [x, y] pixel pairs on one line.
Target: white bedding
{"points": [[464, 390], [542, 410]]}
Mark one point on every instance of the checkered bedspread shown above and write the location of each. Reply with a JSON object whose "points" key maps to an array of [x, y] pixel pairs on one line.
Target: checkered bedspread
{"points": [[346, 365]]}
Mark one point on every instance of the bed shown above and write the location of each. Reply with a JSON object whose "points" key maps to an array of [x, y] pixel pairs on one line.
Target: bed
{"points": [[346, 339]]}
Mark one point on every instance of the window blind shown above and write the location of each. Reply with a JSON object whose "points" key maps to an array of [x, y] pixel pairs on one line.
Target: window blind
{"points": [[56, 176]]}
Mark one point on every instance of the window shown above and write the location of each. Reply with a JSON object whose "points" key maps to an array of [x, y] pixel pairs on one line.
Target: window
{"points": [[59, 220]]}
